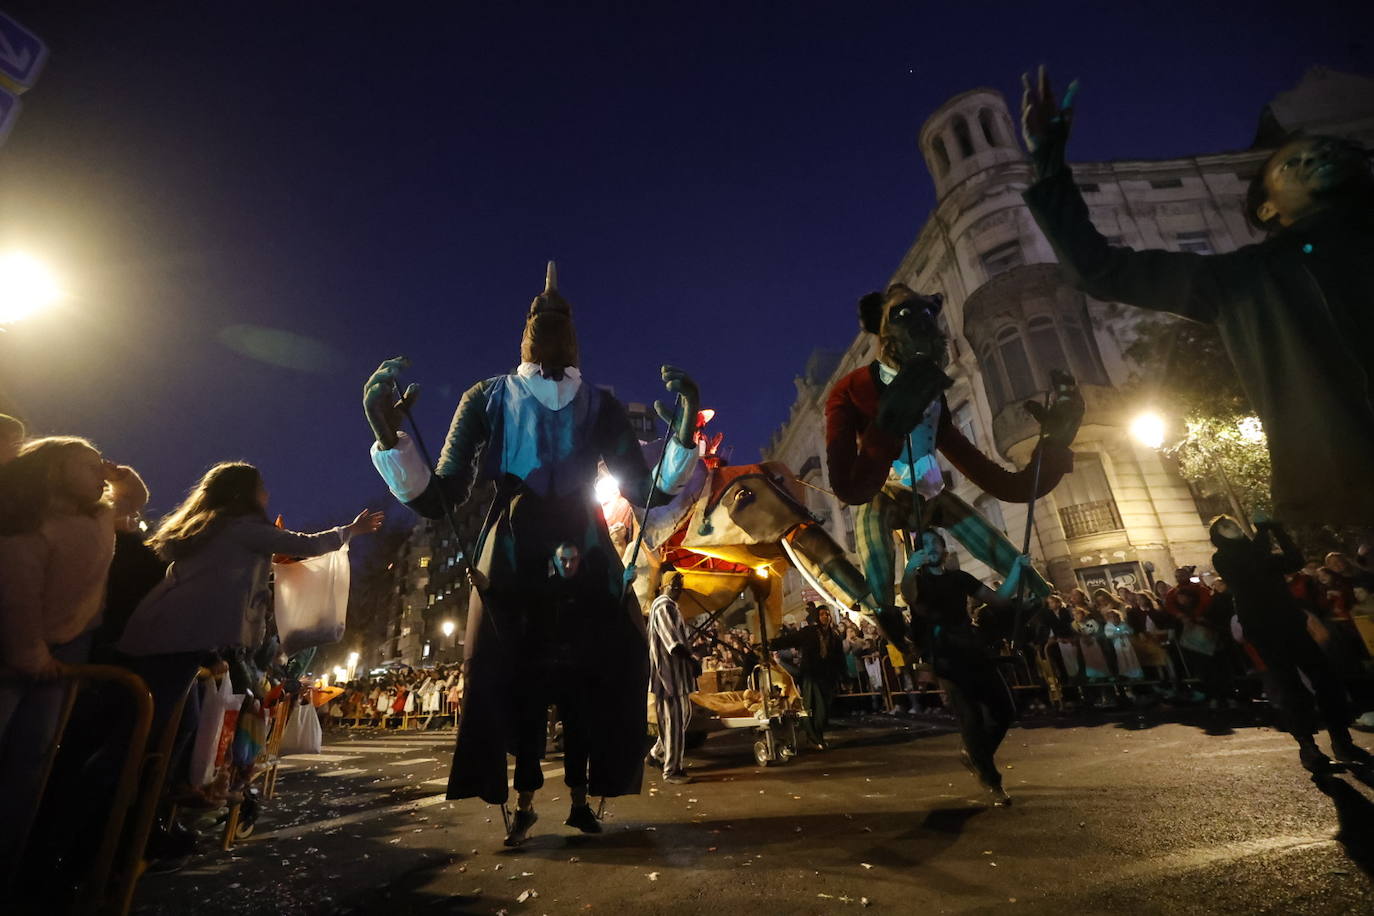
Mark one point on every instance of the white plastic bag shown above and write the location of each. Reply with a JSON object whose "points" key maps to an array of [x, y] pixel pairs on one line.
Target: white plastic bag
{"points": [[215, 703], [302, 734], [312, 601]]}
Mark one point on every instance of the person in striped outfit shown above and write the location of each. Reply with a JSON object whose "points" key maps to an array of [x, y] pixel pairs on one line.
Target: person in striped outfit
{"points": [[673, 674]]}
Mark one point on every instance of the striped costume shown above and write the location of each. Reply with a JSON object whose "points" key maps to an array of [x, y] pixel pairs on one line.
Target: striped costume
{"points": [[672, 678]]}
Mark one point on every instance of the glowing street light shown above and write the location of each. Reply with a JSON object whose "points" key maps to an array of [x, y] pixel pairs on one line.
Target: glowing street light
{"points": [[607, 489], [448, 626], [1148, 429], [27, 285]]}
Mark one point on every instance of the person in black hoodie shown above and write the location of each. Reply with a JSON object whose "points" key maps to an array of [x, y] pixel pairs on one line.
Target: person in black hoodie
{"points": [[1293, 309], [1276, 627]]}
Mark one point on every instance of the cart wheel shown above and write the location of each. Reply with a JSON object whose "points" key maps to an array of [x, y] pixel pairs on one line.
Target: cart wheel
{"points": [[248, 819], [761, 755]]}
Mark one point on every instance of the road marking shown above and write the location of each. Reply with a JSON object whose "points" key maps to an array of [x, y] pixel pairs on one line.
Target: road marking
{"points": [[374, 750], [1242, 751], [401, 763], [292, 832], [344, 772], [1201, 857], [319, 758]]}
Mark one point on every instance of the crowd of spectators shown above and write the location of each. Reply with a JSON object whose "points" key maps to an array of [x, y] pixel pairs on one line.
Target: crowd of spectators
{"points": [[398, 699], [83, 579]]}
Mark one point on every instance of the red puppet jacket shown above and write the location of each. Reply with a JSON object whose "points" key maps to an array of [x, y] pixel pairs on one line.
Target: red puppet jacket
{"points": [[859, 454]]}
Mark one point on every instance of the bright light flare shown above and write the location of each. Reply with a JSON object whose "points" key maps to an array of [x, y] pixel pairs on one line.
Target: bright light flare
{"points": [[761, 572], [448, 626], [1148, 429], [26, 286], [1251, 430], [607, 489]]}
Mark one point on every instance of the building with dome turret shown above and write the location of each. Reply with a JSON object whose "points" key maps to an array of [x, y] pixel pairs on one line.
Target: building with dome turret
{"points": [[1123, 516]]}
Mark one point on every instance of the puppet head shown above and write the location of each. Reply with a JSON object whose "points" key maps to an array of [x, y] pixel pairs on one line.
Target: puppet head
{"points": [[906, 325], [550, 340], [1305, 175]]}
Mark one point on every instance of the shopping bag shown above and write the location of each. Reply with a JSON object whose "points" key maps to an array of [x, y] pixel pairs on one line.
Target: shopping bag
{"points": [[217, 700], [1198, 638], [302, 734], [312, 600], [250, 733]]}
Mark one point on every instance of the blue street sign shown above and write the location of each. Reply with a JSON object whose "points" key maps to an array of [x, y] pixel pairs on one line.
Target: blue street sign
{"points": [[22, 54], [9, 113]]}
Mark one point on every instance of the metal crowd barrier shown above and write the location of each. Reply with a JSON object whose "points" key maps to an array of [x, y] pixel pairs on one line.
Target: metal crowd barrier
{"points": [[107, 887]]}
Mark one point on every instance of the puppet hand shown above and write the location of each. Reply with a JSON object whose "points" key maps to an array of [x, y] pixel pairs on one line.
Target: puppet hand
{"points": [[383, 409], [629, 577], [1059, 423], [1045, 124], [903, 402], [682, 422]]}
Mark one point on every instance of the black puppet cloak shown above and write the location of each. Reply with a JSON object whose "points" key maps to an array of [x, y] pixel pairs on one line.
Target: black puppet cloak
{"points": [[527, 520]]}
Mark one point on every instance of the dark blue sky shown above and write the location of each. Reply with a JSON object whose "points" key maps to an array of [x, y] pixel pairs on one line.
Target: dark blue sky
{"points": [[719, 183]]}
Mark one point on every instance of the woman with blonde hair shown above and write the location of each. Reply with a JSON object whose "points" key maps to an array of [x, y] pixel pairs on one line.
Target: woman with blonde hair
{"points": [[59, 504]]}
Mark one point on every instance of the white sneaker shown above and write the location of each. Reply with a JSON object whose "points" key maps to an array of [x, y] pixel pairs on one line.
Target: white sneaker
{"points": [[1366, 720]]}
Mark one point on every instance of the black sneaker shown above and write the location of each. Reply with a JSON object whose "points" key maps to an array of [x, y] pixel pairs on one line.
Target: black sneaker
{"points": [[582, 817], [1313, 760], [1350, 752], [678, 778], [520, 826]]}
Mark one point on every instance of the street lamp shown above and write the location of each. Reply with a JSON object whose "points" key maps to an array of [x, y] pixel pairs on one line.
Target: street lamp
{"points": [[448, 626], [1148, 429], [27, 285]]}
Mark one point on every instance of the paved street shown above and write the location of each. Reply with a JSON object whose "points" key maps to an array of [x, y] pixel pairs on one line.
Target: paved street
{"points": [[1114, 814]]}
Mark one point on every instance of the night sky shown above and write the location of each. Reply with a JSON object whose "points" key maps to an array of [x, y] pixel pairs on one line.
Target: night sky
{"points": [[719, 183]]}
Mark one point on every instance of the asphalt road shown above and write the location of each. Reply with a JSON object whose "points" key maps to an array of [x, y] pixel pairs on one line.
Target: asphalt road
{"points": [[1131, 814]]}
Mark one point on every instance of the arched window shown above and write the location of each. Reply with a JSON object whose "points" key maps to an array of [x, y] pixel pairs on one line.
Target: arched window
{"points": [[1046, 348], [985, 122], [962, 137], [937, 148], [1020, 379], [1086, 365], [992, 378]]}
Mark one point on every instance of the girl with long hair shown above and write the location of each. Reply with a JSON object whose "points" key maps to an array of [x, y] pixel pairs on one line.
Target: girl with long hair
{"points": [[215, 596]]}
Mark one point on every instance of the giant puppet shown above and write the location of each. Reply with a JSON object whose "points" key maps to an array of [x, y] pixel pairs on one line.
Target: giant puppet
{"points": [[886, 420], [537, 435]]}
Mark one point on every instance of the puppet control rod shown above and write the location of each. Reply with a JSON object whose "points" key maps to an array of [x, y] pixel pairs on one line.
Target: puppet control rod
{"points": [[1030, 520], [649, 497]]}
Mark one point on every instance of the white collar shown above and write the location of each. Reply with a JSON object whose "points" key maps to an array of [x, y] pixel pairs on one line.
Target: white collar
{"points": [[886, 373], [553, 395]]}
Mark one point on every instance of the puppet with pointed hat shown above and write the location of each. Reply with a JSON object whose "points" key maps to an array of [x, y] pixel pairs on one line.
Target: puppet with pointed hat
{"points": [[549, 620]]}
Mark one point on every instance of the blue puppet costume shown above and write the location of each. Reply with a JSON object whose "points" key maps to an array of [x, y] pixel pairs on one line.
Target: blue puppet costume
{"points": [[537, 435]]}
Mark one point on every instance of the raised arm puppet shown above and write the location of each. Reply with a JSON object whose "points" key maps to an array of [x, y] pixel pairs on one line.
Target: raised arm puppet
{"points": [[538, 434], [885, 422], [1296, 311]]}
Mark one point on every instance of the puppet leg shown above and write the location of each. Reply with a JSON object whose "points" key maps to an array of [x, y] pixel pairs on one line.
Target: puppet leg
{"points": [[981, 539], [874, 524]]}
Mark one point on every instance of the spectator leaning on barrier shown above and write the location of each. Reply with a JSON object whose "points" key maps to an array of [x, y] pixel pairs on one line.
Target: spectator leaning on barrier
{"points": [[215, 595], [59, 501]]}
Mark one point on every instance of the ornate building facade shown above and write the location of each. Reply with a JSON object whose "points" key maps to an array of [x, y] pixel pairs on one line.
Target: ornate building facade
{"points": [[1123, 516]]}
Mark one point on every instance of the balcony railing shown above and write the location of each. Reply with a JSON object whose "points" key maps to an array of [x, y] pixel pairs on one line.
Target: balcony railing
{"points": [[1090, 518]]}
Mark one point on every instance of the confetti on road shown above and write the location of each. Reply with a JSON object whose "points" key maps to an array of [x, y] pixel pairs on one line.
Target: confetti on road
{"points": [[652, 876]]}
